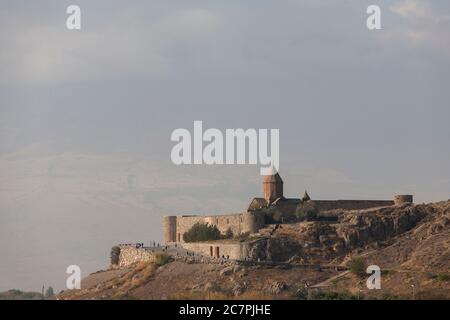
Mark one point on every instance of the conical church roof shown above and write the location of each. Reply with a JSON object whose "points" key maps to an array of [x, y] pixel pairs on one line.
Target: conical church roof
{"points": [[306, 196], [273, 178]]}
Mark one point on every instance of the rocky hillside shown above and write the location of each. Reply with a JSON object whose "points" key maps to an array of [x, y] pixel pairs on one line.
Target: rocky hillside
{"points": [[426, 227], [411, 245]]}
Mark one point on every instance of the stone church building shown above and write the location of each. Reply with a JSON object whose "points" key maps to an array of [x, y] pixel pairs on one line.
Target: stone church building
{"points": [[271, 208]]}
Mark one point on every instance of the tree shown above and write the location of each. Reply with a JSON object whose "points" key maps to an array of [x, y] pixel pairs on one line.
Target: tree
{"points": [[302, 294], [229, 234], [357, 266], [202, 232], [49, 292]]}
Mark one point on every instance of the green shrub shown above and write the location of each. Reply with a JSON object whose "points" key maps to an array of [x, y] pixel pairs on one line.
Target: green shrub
{"points": [[358, 266], [388, 272], [441, 277], [229, 234], [332, 295], [301, 294], [202, 232], [387, 296], [213, 287]]}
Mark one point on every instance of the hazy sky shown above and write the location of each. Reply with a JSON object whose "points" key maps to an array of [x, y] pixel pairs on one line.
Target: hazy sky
{"points": [[86, 116]]}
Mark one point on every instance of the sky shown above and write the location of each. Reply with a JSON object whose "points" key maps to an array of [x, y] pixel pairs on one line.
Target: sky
{"points": [[86, 115]]}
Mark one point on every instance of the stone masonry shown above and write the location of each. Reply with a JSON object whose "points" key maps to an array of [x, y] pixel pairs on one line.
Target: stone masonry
{"points": [[262, 210], [129, 254]]}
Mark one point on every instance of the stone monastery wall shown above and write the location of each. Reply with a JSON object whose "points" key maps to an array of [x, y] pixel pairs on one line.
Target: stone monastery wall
{"points": [[175, 227]]}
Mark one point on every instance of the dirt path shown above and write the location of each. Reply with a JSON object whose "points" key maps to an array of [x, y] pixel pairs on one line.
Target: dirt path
{"points": [[327, 282]]}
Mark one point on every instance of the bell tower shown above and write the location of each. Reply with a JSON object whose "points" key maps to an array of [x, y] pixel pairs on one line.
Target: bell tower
{"points": [[272, 187]]}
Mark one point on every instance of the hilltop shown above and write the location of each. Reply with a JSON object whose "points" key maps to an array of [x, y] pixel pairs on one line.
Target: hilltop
{"points": [[411, 245]]}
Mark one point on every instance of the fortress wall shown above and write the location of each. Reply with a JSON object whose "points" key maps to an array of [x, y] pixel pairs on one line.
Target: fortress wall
{"points": [[253, 221], [184, 223], [324, 205], [233, 250], [130, 254], [401, 199], [170, 229], [175, 227], [235, 222]]}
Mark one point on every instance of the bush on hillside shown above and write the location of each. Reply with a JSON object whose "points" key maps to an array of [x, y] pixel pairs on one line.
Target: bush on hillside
{"points": [[357, 266]]}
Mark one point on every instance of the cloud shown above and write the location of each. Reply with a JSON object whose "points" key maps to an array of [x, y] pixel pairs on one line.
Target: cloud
{"points": [[421, 25], [186, 24], [413, 9], [40, 53]]}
